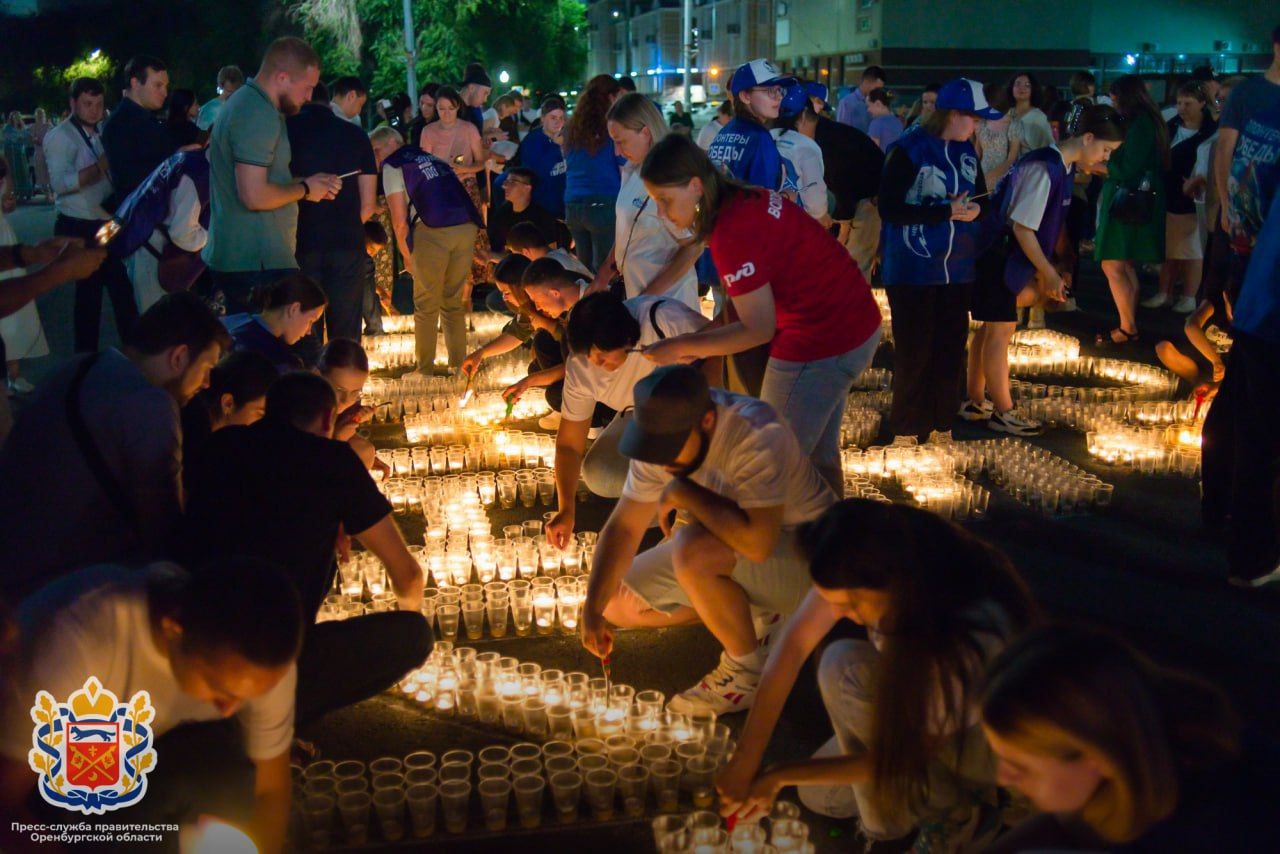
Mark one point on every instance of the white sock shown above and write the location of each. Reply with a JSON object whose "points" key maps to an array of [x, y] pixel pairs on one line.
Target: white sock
{"points": [[753, 661]]}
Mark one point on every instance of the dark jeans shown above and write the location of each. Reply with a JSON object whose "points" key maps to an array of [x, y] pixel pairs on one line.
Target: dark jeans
{"points": [[346, 661], [371, 306], [201, 769], [344, 276], [591, 224], [236, 288], [930, 325], [87, 313], [1251, 394]]}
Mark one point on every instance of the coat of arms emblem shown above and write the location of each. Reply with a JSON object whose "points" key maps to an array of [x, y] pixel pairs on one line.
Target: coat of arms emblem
{"points": [[92, 752]]}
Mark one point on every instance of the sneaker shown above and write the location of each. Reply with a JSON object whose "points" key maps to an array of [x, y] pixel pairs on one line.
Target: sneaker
{"points": [[550, 421], [594, 432], [1012, 422], [727, 689], [1156, 300], [976, 410], [836, 802], [767, 624], [1184, 305], [19, 385]]}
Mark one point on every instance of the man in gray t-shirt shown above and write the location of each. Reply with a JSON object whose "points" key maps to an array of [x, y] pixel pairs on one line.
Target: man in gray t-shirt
{"points": [[253, 196], [105, 486]]}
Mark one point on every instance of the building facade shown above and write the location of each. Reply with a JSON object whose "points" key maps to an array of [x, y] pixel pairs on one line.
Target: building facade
{"points": [[923, 41], [642, 39]]}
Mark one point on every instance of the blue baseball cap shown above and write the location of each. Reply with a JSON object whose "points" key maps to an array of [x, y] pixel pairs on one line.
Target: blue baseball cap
{"points": [[815, 90], [966, 96], [793, 102], [758, 72]]}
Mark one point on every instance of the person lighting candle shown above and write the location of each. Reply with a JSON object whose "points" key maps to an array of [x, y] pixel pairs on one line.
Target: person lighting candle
{"points": [[908, 752], [793, 287]]}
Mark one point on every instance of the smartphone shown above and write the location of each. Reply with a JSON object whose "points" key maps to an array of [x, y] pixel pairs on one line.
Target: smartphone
{"points": [[107, 232]]}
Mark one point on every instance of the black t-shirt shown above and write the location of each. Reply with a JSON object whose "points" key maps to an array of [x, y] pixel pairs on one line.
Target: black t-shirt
{"points": [[851, 161], [278, 493], [135, 143], [503, 217], [322, 142]]}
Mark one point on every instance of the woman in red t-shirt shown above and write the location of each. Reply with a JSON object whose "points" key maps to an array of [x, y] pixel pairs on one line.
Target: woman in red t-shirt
{"points": [[792, 285]]}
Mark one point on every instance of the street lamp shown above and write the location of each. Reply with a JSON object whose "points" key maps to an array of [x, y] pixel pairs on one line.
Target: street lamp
{"points": [[503, 77]]}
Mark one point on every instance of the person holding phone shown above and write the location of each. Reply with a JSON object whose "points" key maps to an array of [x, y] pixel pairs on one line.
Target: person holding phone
{"points": [[929, 246]]}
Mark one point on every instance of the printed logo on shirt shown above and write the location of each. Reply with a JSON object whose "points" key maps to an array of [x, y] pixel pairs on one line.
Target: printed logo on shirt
{"points": [[747, 269], [559, 169], [92, 753], [969, 168], [775, 205]]}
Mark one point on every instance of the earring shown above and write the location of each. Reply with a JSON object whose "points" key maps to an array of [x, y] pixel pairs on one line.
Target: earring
{"points": [[697, 207]]}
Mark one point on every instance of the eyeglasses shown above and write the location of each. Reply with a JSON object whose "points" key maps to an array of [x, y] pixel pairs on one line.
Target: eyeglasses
{"points": [[769, 91]]}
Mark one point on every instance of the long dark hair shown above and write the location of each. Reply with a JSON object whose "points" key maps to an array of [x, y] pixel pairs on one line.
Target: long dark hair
{"points": [[1061, 689], [245, 375], [586, 127], [180, 102], [676, 160], [1131, 99], [1035, 89], [295, 287], [939, 577]]}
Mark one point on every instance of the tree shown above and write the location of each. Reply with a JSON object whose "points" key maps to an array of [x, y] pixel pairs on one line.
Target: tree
{"points": [[541, 42]]}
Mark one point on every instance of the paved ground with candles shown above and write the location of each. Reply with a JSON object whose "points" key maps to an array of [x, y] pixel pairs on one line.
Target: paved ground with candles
{"points": [[1143, 567]]}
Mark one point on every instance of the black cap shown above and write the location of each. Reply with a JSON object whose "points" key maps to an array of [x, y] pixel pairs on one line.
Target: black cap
{"points": [[670, 403], [477, 76]]}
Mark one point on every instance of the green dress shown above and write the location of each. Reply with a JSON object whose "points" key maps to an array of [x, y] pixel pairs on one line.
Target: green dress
{"points": [[1139, 157]]}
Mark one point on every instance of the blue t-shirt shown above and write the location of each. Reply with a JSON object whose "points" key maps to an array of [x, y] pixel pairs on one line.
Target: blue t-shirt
{"points": [[885, 130], [248, 332], [1255, 172], [749, 152], [544, 157], [589, 176], [1257, 309]]}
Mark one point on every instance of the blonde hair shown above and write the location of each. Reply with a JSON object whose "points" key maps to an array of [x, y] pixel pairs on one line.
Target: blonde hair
{"points": [[1065, 690], [635, 112], [383, 133]]}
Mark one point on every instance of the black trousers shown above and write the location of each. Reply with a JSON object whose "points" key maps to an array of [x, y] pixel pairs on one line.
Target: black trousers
{"points": [[111, 276], [344, 276], [930, 325], [1252, 390], [346, 661]]}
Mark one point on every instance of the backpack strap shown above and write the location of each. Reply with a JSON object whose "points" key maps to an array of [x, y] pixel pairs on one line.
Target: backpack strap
{"points": [[653, 318], [108, 482]]}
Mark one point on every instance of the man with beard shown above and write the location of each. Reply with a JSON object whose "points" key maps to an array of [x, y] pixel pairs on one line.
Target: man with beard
{"points": [[254, 223], [730, 469], [92, 472]]}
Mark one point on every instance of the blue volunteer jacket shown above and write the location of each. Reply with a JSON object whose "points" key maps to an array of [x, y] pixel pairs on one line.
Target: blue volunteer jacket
{"points": [[749, 153], [941, 253]]}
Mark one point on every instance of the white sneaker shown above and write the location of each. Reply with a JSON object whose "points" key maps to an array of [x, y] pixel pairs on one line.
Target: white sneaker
{"points": [[593, 432], [1012, 422], [1184, 305], [832, 801], [1156, 300], [550, 421], [19, 385], [972, 410], [767, 624], [728, 688]]}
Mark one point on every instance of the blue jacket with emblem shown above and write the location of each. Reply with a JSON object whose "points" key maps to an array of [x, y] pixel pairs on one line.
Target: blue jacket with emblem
{"points": [[921, 244], [749, 153]]}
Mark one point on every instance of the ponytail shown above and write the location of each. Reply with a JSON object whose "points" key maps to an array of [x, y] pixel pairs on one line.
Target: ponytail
{"points": [[295, 287], [1101, 120]]}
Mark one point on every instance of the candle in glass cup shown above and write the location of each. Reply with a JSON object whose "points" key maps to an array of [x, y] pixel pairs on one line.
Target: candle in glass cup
{"points": [[421, 799], [354, 809], [528, 791], [455, 800], [566, 791]]}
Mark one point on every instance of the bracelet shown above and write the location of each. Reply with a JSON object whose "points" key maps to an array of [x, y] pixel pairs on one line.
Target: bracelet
{"points": [[306, 189]]}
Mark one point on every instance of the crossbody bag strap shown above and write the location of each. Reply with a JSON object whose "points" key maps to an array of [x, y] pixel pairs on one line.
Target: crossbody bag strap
{"points": [[626, 250], [108, 482]]}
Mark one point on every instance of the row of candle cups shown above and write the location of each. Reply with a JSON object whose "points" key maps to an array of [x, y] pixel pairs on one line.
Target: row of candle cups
{"points": [[625, 779], [469, 451], [705, 832], [505, 488], [488, 323]]}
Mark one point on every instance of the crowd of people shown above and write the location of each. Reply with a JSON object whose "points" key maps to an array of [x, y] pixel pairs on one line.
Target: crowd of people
{"points": [[172, 508]]}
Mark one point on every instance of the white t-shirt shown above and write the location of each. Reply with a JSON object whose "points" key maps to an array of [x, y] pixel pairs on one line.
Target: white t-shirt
{"points": [[806, 156], [1031, 194], [708, 133], [570, 261], [95, 623], [754, 461], [642, 245], [585, 384]]}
